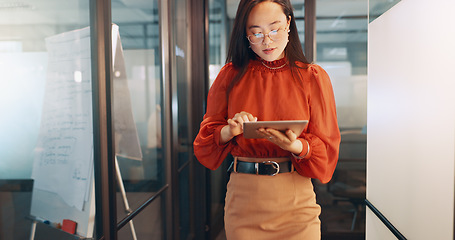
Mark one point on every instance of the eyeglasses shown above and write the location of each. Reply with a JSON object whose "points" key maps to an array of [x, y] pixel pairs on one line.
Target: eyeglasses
{"points": [[275, 35]]}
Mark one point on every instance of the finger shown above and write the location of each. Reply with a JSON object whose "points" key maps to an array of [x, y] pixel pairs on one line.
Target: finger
{"points": [[237, 116], [251, 118], [263, 133], [239, 119], [291, 135], [245, 118], [232, 123], [286, 140], [272, 136], [274, 132], [278, 136]]}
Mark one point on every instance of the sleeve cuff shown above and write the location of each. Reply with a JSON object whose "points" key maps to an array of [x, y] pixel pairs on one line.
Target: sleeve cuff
{"points": [[217, 135]]}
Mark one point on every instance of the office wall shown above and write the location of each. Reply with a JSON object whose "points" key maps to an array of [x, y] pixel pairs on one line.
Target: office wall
{"points": [[411, 120], [21, 98]]}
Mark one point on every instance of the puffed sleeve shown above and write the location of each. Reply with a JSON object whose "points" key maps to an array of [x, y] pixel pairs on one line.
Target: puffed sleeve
{"points": [[323, 135], [207, 147]]}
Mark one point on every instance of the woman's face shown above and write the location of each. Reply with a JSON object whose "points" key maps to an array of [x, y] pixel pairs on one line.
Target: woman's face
{"points": [[264, 19]]}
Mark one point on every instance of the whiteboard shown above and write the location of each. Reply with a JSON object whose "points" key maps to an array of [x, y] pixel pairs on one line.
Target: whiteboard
{"points": [[63, 164], [411, 119]]}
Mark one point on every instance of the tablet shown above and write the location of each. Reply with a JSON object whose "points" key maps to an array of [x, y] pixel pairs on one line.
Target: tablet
{"points": [[249, 128]]}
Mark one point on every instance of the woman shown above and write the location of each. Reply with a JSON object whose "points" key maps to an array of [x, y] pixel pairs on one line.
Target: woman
{"points": [[267, 78]]}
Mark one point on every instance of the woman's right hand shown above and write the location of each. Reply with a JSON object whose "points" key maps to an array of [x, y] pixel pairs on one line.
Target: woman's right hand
{"points": [[235, 126]]}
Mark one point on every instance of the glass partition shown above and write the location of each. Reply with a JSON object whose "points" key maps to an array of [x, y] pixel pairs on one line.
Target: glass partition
{"points": [[181, 126], [299, 14], [378, 7], [46, 124], [221, 18], [138, 93], [218, 36], [341, 39]]}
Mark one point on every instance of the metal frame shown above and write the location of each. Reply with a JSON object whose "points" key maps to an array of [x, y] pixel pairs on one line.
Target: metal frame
{"points": [[384, 220], [310, 30], [165, 35], [104, 152], [173, 110], [103, 131], [198, 75]]}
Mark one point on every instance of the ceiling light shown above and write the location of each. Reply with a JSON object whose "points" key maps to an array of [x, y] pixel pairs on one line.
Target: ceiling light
{"points": [[15, 5]]}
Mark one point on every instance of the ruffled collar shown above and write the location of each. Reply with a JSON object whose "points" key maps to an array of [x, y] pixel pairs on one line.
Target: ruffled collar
{"points": [[277, 65]]}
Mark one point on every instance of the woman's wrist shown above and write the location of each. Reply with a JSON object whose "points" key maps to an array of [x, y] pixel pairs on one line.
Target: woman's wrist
{"points": [[225, 135], [307, 150], [296, 147]]}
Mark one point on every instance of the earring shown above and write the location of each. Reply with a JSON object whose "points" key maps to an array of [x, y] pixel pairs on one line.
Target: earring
{"points": [[249, 46]]}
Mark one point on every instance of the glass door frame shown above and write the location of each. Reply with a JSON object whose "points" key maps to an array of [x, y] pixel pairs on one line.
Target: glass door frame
{"points": [[104, 152], [103, 141]]}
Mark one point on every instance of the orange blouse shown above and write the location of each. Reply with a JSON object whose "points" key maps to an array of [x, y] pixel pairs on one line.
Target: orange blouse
{"points": [[273, 93]]}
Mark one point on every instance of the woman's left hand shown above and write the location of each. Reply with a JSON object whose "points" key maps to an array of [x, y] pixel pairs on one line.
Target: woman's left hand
{"points": [[287, 141]]}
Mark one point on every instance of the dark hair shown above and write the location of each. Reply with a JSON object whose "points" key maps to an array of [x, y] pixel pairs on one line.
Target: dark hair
{"points": [[239, 52]]}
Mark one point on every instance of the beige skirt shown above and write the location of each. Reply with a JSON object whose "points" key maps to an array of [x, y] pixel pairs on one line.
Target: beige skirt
{"points": [[271, 207]]}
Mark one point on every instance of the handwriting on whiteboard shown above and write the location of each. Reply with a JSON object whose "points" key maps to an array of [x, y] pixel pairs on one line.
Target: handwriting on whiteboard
{"points": [[63, 154]]}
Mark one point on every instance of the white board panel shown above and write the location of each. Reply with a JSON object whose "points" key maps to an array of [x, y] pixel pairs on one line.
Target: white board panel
{"points": [[63, 169], [411, 118]]}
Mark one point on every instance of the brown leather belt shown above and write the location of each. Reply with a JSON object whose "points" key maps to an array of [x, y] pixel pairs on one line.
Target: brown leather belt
{"points": [[262, 166]]}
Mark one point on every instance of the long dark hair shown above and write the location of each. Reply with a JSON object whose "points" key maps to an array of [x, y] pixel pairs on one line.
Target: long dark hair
{"points": [[239, 52]]}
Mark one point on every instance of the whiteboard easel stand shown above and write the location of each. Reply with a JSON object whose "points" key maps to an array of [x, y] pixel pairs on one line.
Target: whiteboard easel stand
{"points": [[125, 200], [32, 231]]}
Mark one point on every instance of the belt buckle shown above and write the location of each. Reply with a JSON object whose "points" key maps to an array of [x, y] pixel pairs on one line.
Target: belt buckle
{"points": [[274, 164]]}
